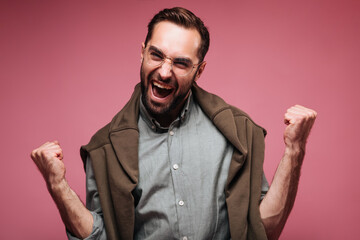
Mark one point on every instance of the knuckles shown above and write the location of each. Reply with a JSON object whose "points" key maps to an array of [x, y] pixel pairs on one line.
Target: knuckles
{"points": [[44, 154], [299, 113], [32, 154], [35, 154]]}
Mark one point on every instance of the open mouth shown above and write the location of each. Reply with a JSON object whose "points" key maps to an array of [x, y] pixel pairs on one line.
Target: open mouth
{"points": [[160, 90]]}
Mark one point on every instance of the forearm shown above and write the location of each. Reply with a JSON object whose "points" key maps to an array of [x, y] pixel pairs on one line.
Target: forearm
{"points": [[278, 202], [76, 217]]}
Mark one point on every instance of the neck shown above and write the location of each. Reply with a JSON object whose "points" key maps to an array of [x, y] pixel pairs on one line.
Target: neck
{"points": [[167, 118]]}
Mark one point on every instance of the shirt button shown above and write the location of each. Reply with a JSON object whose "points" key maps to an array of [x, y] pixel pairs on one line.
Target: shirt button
{"points": [[185, 238], [171, 133], [175, 166], [181, 203]]}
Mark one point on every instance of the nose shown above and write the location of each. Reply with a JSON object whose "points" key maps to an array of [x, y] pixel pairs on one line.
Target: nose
{"points": [[166, 68]]}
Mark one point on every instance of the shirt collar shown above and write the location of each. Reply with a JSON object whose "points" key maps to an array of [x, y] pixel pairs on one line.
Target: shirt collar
{"points": [[155, 125]]}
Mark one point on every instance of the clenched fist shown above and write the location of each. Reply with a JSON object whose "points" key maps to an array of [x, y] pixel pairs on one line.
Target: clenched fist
{"points": [[48, 158], [300, 121]]}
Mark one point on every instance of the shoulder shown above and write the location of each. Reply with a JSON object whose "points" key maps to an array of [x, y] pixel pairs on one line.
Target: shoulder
{"points": [[215, 107], [98, 140], [244, 117]]}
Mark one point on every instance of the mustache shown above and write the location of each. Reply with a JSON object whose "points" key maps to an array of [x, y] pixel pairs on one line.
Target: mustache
{"points": [[156, 76]]}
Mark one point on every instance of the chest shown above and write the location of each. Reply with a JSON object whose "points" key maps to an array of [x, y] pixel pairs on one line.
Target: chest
{"points": [[182, 176]]}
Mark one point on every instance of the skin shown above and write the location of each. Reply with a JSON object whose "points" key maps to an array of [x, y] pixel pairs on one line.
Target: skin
{"points": [[175, 41]]}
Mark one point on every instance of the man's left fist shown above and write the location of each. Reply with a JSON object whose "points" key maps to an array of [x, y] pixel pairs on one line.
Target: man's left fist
{"points": [[300, 121]]}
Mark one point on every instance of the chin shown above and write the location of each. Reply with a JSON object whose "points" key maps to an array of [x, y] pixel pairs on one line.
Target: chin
{"points": [[154, 108]]}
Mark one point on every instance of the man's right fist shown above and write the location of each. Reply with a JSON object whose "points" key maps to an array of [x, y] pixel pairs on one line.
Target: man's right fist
{"points": [[48, 158]]}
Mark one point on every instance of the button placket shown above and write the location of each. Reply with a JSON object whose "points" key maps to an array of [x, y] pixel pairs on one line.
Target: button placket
{"points": [[175, 161]]}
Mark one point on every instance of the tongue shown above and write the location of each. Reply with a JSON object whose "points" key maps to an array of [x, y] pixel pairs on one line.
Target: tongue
{"points": [[161, 92]]}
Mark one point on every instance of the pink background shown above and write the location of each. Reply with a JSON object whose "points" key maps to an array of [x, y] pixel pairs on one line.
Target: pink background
{"points": [[67, 67]]}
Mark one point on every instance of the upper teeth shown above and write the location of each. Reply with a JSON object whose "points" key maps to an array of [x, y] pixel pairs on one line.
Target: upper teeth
{"points": [[161, 86]]}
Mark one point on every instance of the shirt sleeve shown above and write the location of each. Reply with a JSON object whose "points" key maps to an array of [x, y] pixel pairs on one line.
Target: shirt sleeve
{"points": [[93, 204], [264, 187]]}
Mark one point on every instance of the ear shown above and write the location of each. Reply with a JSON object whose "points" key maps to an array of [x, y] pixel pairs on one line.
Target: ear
{"points": [[142, 50], [200, 70]]}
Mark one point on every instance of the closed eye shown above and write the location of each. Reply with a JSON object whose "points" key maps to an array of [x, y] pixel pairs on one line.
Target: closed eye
{"points": [[156, 56], [182, 63]]}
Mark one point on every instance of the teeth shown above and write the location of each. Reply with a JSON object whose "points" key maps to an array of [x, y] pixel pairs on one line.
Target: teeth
{"points": [[161, 86]]}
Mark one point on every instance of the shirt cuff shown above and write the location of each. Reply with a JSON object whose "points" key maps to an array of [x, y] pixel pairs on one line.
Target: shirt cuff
{"points": [[98, 230]]}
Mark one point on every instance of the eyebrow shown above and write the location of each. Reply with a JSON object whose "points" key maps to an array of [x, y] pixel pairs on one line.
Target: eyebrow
{"points": [[153, 48], [181, 59]]}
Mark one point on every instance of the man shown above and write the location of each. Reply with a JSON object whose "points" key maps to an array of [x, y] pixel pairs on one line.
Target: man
{"points": [[177, 162]]}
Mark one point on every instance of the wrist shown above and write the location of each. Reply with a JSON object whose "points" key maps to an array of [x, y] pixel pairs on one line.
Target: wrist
{"points": [[58, 188], [294, 147], [295, 153]]}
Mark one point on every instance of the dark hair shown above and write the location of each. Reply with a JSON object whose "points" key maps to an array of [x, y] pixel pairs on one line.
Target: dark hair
{"points": [[186, 19]]}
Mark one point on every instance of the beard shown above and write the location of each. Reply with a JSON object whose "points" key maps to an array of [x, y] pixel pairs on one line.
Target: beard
{"points": [[156, 109]]}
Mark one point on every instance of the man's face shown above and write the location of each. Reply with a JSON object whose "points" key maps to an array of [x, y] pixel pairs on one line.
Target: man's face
{"points": [[164, 92]]}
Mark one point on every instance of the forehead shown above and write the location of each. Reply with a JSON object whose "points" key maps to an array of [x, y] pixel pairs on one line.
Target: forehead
{"points": [[175, 40]]}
